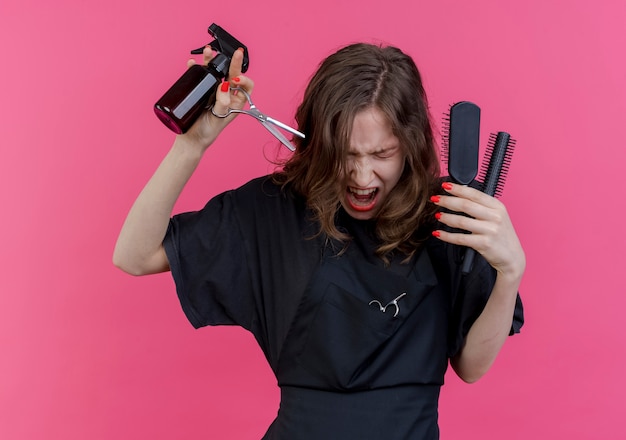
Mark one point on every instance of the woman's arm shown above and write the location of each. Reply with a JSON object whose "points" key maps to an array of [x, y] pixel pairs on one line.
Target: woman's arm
{"points": [[139, 248], [488, 333], [493, 236]]}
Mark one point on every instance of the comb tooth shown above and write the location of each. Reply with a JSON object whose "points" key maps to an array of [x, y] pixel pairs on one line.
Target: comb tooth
{"points": [[444, 157], [443, 152], [484, 168], [500, 151], [445, 137]]}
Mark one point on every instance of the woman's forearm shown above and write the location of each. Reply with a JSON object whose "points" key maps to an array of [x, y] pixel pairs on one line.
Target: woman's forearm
{"points": [[139, 248], [489, 331]]}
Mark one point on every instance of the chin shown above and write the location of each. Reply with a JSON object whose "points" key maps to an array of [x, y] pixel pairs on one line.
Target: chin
{"points": [[361, 215]]}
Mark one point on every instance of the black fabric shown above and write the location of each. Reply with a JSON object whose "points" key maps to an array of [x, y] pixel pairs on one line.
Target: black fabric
{"points": [[394, 413], [324, 319], [244, 259], [343, 336], [366, 354]]}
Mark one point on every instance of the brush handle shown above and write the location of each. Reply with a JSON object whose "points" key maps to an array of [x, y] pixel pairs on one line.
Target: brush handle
{"points": [[462, 133], [492, 183]]}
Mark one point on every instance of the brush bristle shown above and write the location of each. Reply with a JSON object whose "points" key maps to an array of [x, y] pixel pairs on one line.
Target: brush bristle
{"points": [[445, 137], [494, 171]]}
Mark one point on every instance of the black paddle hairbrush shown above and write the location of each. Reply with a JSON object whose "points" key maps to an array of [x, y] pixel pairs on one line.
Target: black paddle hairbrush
{"points": [[460, 142], [492, 175], [461, 133]]}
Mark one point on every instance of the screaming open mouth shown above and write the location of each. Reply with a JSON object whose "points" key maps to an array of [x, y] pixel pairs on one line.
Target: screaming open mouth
{"points": [[362, 199]]}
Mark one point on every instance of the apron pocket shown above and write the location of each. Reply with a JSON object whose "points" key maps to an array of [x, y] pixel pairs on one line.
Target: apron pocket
{"points": [[345, 334]]}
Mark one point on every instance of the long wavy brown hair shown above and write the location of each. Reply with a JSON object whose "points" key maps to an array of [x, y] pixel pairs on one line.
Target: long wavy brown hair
{"points": [[355, 78]]}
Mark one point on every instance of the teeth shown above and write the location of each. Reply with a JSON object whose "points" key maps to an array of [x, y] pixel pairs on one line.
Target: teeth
{"points": [[362, 192]]}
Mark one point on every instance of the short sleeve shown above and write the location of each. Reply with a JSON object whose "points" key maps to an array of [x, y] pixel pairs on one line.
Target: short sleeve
{"points": [[208, 262]]}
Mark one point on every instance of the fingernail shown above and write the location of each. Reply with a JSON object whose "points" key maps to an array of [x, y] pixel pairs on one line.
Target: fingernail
{"points": [[435, 199], [225, 86], [436, 234], [236, 79], [446, 185], [438, 216]]}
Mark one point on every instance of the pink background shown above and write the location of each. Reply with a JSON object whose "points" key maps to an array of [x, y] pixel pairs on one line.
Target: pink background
{"points": [[87, 352]]}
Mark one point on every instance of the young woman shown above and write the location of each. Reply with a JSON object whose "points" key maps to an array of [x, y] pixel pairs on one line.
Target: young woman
{"points": [[345, 264]]}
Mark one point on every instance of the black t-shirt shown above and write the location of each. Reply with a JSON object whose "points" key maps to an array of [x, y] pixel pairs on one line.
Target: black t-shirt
{"points": [[359, 348], [247, 257]]}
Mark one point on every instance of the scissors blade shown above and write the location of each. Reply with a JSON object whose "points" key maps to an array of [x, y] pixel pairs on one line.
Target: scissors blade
{"points": [[266, 121], [277, 134], [285, 127]]}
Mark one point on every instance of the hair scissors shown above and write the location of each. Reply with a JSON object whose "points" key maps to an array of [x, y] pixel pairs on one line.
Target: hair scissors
{"points": [[268, 122]]}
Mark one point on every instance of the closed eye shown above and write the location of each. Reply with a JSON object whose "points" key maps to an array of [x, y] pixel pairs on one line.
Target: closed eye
{"points": [[382, 153], [386, 153]]}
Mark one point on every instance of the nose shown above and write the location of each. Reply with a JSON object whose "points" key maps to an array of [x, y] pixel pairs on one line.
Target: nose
{"points": [[361, 172]]}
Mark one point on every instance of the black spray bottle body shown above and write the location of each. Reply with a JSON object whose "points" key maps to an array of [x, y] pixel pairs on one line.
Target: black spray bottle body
{"points": [[183, 103]]}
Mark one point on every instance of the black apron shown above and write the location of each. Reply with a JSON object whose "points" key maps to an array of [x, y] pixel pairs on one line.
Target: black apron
{"points": [[366, 354]]}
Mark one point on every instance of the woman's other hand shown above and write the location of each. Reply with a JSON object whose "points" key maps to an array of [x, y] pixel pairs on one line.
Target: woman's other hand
{"points": [[491, 232]]}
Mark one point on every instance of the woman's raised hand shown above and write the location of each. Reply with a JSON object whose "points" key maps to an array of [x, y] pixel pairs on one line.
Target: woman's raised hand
{"points": [[208, 126]]}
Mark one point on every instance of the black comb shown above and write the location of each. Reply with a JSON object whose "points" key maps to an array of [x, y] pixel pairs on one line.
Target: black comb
{"points": [[492, 175], [461, 132]]}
